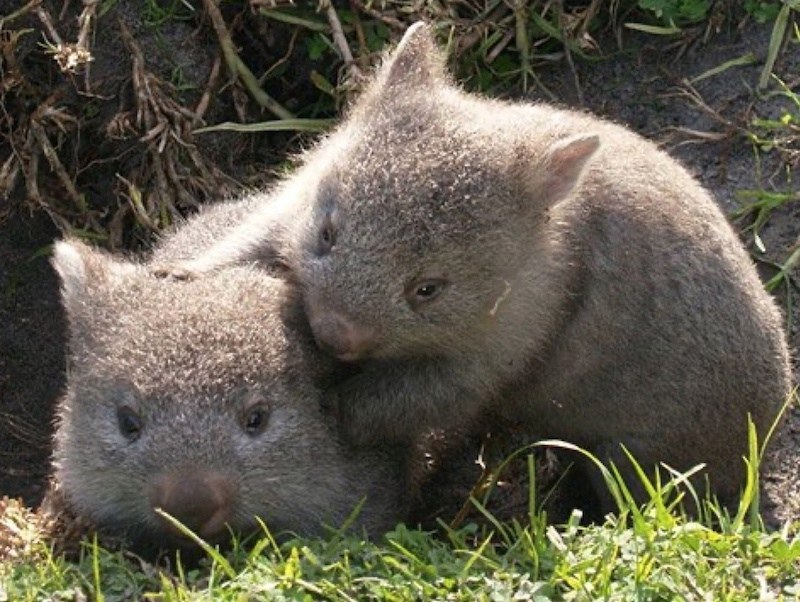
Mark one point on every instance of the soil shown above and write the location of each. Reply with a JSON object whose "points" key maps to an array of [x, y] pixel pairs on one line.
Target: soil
{"points": [[32, 337], [643, 86]]}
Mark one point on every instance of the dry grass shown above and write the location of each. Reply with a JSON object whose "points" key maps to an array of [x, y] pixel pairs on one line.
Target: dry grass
{"points": [[102, 112]]}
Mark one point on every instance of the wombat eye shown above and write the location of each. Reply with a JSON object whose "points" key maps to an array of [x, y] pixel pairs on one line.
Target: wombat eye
{"points": [[130, 423], [424, 291], [327, 237], [427, 291], [255, 419]]}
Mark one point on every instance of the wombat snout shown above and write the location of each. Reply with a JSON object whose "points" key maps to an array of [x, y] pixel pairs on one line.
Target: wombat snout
{"points": [[202, 502], [338, 335]]}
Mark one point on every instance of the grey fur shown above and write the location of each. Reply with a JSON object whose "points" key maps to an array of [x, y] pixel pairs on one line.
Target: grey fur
{"points": [[191, 359], [193, 236], [591, 289]]}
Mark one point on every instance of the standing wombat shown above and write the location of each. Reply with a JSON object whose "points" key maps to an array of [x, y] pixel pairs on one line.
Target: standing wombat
{"points": [[203, 399], [542, 264]]}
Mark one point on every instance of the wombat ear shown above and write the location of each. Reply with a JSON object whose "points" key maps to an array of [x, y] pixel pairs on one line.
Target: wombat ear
{"points": [[561, 166], [80, 267], [416, 61]]}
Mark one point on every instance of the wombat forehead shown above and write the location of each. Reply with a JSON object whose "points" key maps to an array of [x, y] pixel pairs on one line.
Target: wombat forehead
{"points": [[229, 297], [204, 335], [419, 196], [177, 368]]}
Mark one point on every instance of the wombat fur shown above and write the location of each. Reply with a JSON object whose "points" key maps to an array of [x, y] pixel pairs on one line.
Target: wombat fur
{"points": [[541, 264], [195, 235], [203, 398]]}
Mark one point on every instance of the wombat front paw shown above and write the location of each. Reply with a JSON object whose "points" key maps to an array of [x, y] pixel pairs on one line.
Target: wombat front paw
{"points": [[174, 272]]}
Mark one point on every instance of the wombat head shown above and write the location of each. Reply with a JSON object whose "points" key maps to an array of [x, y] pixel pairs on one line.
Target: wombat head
{"points": [[422, 207], [201, 398]]}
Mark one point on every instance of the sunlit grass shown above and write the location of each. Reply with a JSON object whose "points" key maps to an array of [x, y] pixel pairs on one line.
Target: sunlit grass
{"points": [[651, 551]]}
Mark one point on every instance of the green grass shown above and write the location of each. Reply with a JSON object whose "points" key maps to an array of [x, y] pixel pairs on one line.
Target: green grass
{"points": [[662, 557], [654, 552]]}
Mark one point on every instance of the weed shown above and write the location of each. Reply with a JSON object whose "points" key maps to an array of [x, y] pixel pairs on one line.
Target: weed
{"points": [[156, 13], [762, 12], [677, 12]]}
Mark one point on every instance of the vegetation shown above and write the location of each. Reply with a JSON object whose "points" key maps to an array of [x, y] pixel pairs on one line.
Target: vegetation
{"points": [[109, 121]]}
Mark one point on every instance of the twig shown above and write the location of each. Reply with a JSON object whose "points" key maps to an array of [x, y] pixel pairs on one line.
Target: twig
{"points": [[44, 17], [64, 9], [143, 118], [289, 50], [689, 92], [521, 38], [56, 165], [340, 40], [238, 68], [251, 83], [568, 52], [376, 14], [70, 56], [85, 22], [589, 14], [9, 173], [152, 119], [205, 99], [32, 184], [32, 170], [363, 47]]}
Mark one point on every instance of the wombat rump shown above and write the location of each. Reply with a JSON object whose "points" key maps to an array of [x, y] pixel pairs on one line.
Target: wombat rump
{"points": [[539, 264], [203, 399]]}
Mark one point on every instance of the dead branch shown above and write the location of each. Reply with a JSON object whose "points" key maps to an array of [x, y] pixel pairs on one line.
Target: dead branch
{"points": [[392, 22], [70, 57], [340, 40], [164, 126], [236, 66], [55, 164], [205, 99]]}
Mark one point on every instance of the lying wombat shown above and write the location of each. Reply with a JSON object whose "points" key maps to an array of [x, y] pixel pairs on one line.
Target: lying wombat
{"points": [[542, 264], [203, 399]]}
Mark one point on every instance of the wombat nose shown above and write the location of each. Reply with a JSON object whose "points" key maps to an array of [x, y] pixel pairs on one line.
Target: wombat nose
{"points": [[203, 503], [340, 336]]}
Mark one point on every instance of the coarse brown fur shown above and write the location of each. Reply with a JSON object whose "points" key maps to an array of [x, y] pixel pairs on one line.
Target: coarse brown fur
{"points": [[539, 263], [203, 398]]}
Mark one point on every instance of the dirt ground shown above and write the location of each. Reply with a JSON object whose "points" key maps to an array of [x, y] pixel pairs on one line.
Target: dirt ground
{"points": [[645, 87]]}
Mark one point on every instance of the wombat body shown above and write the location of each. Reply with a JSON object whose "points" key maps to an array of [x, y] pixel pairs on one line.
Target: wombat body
{"points": [[196, 234], [540, 264], [203, 399]]}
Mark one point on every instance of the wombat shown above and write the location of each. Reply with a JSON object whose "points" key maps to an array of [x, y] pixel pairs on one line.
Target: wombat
{"points": [[203, 399], [541, 264]]}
